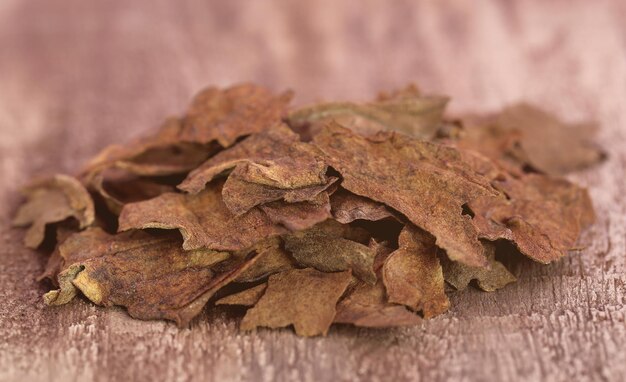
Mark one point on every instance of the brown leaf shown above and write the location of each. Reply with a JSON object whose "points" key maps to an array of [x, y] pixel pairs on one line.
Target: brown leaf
{"points": [[225, 115], [366, 305], [305, 298], [543, 216], [271, 259], [317, 247], [248, 297], [120, 188], [274, 157], [552, 146], [488, 279], [413, 276], [298, 216], [406, 111], [240, 195], [151, 276], [205, 222], [162, 153], [347, 207], [52, 200], [427, 182]]}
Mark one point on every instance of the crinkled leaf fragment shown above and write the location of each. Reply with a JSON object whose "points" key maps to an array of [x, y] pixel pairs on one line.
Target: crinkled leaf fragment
{"points": [[551, 145], [427, 182], [248, 297], [543, 216], [347, 207], [223, 115], [152, 277], [203, 220], [52, 200], [366, 305], [304, 298], [330, 253], [298, 216], [413, 276], [406, 111], [488, 279], [120, 188], [240, 195], [274, 157], [271, 258], [162, 153]]}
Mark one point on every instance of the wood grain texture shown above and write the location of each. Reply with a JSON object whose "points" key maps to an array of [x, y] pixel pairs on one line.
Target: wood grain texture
{"points": [[76, 75]]}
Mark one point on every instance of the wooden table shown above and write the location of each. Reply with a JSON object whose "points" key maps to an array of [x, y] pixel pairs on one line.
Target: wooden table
{"points": [[76, 75]]}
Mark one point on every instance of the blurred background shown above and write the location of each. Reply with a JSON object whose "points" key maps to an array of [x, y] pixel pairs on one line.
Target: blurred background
{"points": [[81, 74]]}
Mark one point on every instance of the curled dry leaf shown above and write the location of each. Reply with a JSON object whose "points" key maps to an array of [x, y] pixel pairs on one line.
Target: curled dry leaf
{"points": [[248, 297], [225, 115], [304, 298], [366, 305], [413, 276], [347, 207], [427, 182], [205, 222], [274, 158], [406, 111], [151, 276], [53, 200], [488, 279], [271, 258], [324, 251], [541, 215], [542, 138]]}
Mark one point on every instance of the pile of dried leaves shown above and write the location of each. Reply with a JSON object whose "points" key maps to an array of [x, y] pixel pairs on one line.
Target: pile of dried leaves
{"points": [[359, 213]]}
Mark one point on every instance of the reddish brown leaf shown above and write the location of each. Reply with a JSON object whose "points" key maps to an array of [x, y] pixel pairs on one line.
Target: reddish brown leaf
{"points": [[413, 276], [427, 182], [366, 305], [488, 279], [304, 298], [248, 297], [327, 251], [52, 200]]}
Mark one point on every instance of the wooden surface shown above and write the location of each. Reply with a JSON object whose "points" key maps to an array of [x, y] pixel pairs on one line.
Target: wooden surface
{"points": [[76, 75]]}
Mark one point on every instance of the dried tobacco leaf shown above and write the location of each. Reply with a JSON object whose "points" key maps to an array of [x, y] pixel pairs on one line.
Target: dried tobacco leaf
{"points": [[366, 305], [151, 276], [324, 250], [368, 210], [347, 207], [413, 276], [271, 259], [541, 215], [427, 182], [120, 188], [52, 200], [406, 111], [203, 220], [488, 279], [304, 298], [274, 157], [552, 146], [225, 115], [248, 297]]}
